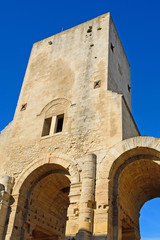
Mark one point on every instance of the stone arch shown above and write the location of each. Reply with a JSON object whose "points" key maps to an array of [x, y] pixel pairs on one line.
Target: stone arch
{"points": [[125, 147], [55, 173], [60, 159], [132, 166], [54, 103]]}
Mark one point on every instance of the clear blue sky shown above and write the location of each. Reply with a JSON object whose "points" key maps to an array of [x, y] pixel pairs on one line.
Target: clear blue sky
{"points": [[149, 220], [138, 23]]}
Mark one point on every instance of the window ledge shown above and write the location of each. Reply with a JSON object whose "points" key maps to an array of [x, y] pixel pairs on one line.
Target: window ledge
{"points": [[49, 136]]}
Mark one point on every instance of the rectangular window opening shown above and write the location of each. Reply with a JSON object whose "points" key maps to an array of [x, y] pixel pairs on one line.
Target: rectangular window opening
{"points": [[59, 123], [46, 127]]}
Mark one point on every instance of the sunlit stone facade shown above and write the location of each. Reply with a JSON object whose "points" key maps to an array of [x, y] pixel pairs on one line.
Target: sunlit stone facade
{"points": [[72, 163]]}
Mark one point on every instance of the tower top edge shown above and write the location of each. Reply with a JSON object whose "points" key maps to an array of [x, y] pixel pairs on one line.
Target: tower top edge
{"points": [[108, 14]]}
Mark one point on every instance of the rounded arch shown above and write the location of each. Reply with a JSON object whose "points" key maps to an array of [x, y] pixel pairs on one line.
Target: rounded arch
{"points": [[69, 165], [133, 179], [55, 102], [117, 154], [41, 196]]}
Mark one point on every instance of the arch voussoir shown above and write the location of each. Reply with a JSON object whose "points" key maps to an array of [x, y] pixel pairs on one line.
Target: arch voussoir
{"points": [[129, 148], [130, 162], [60, 159]]}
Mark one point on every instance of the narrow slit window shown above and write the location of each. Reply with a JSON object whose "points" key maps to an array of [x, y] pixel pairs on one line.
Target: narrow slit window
{"points": [[46, 127], [59, 123]]}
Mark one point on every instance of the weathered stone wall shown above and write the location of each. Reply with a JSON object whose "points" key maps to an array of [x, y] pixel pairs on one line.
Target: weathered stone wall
{"points": [[62, 73], [82, 73]]}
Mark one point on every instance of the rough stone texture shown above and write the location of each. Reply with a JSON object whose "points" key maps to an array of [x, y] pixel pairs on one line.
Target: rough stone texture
{"points": [[84, 182]]}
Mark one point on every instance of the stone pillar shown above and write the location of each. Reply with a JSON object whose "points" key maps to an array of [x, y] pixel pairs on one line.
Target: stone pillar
{"points": [[87, 200], [16, 224], [73, 211], [101, 224], [6, 184]]}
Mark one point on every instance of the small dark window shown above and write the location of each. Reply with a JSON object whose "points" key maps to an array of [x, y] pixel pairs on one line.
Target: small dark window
{"points": [[112, 47], [129, 88], [59, 123], [46, 127], [97, 84], [23, 107]]}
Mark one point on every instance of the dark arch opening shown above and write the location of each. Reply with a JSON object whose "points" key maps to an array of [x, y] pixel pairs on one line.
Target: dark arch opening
{"points": [[42, 204]]}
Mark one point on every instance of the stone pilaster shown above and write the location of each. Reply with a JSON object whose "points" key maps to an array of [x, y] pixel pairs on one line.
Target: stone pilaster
{"points": [[73, 210], [16, 221]]}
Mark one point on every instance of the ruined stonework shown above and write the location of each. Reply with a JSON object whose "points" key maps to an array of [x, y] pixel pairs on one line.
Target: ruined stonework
{"points": [[72, 163]]}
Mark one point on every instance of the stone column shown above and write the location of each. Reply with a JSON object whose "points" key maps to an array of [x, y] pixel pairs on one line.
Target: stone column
{"points": [[87, 200], [6, 184]]}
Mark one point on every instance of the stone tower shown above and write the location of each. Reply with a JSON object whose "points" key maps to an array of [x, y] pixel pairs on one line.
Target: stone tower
{"points": [[72, 163]]}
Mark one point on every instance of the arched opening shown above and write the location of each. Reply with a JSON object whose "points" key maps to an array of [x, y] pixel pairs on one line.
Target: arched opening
{"points": [[135, 181], [149, 219], [43, 200]]}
